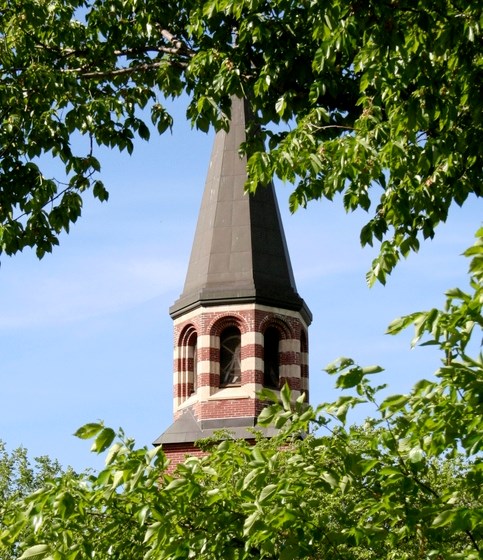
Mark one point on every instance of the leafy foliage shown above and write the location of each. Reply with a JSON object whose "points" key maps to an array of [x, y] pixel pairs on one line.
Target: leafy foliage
{"points": [[405, 484], [379, 102], [19, 479]]}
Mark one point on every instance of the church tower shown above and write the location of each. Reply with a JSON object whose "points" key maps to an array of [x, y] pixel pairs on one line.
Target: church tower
{"points": [[239, 324]]}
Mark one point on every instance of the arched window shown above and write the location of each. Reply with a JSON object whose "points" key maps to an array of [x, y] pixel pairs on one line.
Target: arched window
{"points": [[187, 363], [271, 357], [230, 357], [193, 366]]}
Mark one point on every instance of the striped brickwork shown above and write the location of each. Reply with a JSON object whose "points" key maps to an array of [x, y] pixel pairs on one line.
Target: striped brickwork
{"points": [[304, 364], [197, 358]]}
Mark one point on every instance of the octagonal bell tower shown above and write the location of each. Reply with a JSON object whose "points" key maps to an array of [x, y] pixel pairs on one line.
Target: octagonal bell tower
{"points": [[239, 324]]}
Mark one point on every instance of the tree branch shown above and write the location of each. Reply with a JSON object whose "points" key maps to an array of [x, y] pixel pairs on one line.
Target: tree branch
{"points": [[119, 71]]}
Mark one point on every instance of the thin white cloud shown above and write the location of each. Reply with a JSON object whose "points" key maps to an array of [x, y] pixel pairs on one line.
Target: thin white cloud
{"points": [[86, 287]]}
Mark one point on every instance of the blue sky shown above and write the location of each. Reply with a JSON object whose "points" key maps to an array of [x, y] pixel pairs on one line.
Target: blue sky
{"points": [[85, 333]]}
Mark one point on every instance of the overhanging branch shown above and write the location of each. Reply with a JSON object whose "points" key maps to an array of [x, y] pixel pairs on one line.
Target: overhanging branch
{"points": [[100, 74]]}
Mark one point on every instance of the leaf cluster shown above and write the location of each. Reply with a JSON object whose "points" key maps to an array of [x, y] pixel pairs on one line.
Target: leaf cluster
{"points": [[19, 479], [378, 102]]}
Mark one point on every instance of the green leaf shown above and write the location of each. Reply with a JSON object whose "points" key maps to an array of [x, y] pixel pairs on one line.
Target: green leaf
{"points": [[281, 105], [338, 365], [258, 456], [103, 440], [330, 479], [251, 477], [143, 131], [350, 379], [36, 552], [370, 370], [113, 452], [267, 492], [175, 484], [444, 518], [88, 431], [400, 324], [369, 465], [286, 396], [267, 415], [250, 521], [416, 455], [394, 402], [100, 191]]}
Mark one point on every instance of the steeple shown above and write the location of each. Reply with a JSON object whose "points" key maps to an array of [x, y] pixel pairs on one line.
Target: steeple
{"points": [[239, 251], [239, 324]]}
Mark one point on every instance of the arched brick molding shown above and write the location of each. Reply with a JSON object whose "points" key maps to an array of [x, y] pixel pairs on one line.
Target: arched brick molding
{"points": [[185, 366], [223, 322], [270, 320]]}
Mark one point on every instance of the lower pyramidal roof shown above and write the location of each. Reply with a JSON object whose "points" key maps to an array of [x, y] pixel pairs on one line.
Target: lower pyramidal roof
{"points": [[186, 429]]}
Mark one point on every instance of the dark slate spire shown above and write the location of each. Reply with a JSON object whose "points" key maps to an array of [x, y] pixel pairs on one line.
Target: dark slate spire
{"points": [[239, 253]]}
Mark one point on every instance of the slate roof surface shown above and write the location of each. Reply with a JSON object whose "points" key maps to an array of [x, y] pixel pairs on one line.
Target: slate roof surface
{"points": [[239, 252], [186, 429]]}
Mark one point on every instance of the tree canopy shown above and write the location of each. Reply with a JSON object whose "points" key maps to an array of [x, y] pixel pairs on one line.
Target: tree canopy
{"points": [[19, 479], [380, 102], [376, 101]]}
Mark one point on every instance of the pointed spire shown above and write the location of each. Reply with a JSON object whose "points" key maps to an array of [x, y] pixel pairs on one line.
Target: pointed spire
{"points": [[239, 253]]}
